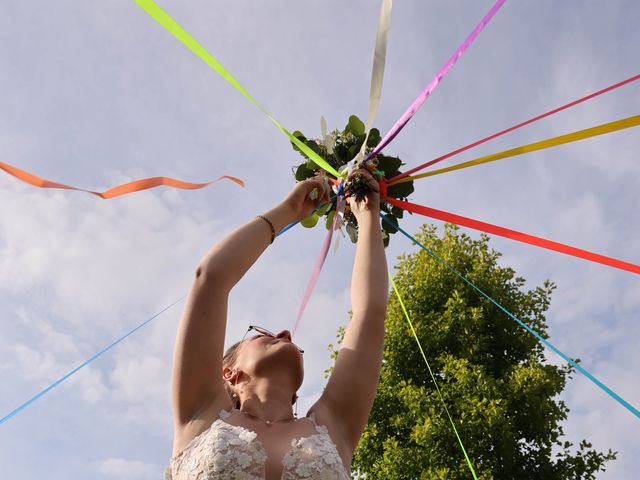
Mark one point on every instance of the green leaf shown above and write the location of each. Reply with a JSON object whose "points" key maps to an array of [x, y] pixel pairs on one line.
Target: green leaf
{"points": [[397, 212], [400, 190], [329, 221], [374, 138], [311, 221], [390, 223], [389, 165], [341, 153], [355, 126], [302, 173], [353, 150], [324, 209], [300, 136], [312, 145], [352, 232]]}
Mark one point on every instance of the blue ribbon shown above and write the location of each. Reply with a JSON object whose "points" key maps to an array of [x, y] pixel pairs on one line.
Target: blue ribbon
{"points": [[547, 343], [87, 362], [84, 364]]}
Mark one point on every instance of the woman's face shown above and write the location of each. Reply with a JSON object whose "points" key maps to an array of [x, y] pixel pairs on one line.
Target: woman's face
{"points": [[261, 355]]}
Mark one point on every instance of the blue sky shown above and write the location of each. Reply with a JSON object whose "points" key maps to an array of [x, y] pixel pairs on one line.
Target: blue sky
{"points": [[97, 94]]}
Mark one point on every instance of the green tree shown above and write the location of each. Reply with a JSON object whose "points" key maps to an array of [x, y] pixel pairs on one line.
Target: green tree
{"points": [[500, 391]]}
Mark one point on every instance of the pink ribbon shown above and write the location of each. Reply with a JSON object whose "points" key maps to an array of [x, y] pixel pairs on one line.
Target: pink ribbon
{"points": [[317, 267], [417, 103], [515, 127]]}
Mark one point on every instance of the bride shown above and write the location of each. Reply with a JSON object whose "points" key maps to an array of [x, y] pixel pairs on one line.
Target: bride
{"points": [[233, 412]]}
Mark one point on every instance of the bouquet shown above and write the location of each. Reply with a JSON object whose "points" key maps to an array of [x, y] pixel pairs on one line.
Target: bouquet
{"points": [[338, 148]]}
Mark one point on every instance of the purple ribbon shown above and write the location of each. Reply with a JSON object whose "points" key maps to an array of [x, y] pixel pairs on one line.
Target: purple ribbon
{"points": [[417, 103]]}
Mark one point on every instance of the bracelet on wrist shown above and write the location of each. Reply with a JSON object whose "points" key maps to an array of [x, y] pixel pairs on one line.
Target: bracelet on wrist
{"points": [[273, 230]]}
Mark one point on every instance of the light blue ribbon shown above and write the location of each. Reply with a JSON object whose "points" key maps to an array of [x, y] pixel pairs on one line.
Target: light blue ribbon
{"points": [[547, 343]]}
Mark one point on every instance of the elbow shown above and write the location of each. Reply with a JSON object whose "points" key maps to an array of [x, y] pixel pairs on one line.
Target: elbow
{"points": [[377, 310], [377, 305], [211, 278]]}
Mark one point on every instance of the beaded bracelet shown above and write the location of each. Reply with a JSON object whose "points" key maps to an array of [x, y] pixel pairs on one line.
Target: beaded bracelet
{"points": [[273, 230]]}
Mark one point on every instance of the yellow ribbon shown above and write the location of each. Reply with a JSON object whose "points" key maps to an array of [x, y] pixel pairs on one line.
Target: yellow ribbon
{"points": [[163, 18], [532, 147]]}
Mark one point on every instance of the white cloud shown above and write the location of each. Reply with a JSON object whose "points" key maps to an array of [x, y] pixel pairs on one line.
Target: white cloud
{"points": [[115, 99], [124, 468]]}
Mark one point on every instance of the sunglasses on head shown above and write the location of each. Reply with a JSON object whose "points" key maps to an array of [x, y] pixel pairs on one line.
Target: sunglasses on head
{"points": [[267, 333]]}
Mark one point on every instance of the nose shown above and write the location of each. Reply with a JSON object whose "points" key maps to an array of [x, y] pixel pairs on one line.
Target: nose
{"points": [[286, 334]]}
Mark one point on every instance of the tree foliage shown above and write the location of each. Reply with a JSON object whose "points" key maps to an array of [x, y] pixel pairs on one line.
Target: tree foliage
{"points": [[500, 391]]}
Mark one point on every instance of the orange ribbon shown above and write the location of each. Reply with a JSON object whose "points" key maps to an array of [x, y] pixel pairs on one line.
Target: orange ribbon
{"points": [[135, 186]]}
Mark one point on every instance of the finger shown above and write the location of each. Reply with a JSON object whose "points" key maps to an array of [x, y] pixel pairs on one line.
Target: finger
{"points": [[311, 183], [321, 187], [313, 188]]}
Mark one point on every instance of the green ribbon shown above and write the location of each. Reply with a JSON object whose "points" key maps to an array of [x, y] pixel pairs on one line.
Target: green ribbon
{"points": [[455, 430], [165, 20]]}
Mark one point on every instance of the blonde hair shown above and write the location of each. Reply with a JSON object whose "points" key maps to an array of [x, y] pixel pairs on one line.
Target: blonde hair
{"points": [[228, 361]]}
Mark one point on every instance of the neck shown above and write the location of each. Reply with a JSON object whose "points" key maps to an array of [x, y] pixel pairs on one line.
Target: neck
{"points": [[266, 400]]}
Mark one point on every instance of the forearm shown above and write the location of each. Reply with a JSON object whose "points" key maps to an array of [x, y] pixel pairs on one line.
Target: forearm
{"points": [[369, 283], [228, 261]]}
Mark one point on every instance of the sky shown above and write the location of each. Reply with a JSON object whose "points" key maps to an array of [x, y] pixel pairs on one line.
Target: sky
{"points": [[97, 94]]}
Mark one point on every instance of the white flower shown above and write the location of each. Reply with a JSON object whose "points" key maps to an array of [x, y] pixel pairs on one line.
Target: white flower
{"points": [[244, 459], [247, 435]]}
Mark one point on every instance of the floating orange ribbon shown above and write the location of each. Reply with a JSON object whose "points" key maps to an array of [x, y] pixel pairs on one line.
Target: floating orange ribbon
{"points": [[125, 188]]}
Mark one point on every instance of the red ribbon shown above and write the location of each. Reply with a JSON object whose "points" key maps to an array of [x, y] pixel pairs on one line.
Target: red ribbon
{"points": [[512, 234]]}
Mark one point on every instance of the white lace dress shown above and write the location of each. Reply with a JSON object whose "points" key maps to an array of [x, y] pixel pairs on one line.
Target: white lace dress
{"points": [[230, 452]]}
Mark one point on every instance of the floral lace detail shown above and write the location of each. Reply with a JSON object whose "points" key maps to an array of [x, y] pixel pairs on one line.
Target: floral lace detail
{"points": [[314, 457], [227, 452], [223, 451]]}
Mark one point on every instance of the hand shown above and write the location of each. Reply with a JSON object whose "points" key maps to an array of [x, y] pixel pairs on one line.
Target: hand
{"points": [[300, 200], [370, 205]]}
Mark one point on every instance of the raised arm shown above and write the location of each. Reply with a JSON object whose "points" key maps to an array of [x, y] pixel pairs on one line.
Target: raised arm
{"points": [[352, 386], [197, 357]]}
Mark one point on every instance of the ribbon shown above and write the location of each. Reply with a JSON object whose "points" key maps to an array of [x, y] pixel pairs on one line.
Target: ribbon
{"points": [[515, 127], [532, 147], [46, 390], [317, 267], [43, 392], [126, 188], [544, 341], [444, 404], [513, 234], [377, 71], [417, 103], [163, 18]]}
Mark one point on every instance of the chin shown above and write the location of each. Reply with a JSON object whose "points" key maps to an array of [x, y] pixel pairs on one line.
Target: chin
{"points": [[287, 358]]}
